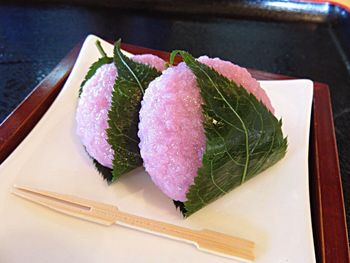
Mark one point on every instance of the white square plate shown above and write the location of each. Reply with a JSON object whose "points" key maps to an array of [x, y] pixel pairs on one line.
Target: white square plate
{"points": [[272, 209]]}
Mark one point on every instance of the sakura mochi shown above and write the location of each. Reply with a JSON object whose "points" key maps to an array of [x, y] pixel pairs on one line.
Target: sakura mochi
{"points": [[93, 106], [172, 139]]}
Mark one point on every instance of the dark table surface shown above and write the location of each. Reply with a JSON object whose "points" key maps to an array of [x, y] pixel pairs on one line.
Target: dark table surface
{"points": [[297, 41]]}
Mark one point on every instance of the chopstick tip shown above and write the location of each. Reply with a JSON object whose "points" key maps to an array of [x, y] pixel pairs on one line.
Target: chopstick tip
{"points": [[17, 186]]}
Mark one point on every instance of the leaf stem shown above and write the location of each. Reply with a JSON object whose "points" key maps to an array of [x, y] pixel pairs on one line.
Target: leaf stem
{"points": [[100, 49], [173, 54], [118, 53]]}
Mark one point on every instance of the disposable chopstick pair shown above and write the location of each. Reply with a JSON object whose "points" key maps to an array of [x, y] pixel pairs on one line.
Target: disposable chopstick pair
{"points": [[206, 240]]}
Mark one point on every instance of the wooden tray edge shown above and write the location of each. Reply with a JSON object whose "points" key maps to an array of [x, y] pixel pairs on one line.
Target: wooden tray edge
{"points": [[23, 119], [326, 193]]}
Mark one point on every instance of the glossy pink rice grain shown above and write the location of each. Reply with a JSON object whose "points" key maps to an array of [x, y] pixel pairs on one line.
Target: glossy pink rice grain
{"points": [[93, 106], [172, 139]]}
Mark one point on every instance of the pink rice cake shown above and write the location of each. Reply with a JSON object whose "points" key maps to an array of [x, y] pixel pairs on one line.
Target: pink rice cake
{"points": [[93, 106], [172, 139]]}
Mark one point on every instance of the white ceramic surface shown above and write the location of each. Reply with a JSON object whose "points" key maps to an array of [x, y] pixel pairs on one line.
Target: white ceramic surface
{"points": [[272, 209]]}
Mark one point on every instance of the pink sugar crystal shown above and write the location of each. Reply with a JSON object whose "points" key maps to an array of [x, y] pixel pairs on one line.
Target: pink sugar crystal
{"points": [[172, 139], [150, 60], [171, 131], [93, 106], [92, 111]]}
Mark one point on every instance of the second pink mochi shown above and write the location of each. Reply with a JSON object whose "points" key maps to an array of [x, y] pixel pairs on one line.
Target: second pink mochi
{"points": [[172, 139]]}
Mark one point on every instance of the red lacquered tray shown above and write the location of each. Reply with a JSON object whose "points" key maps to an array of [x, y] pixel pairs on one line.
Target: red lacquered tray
{"points": [[326, 196]]}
